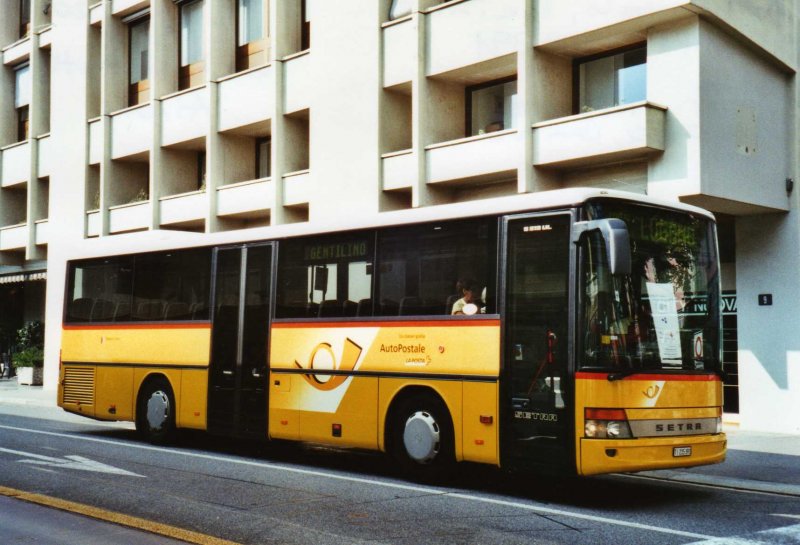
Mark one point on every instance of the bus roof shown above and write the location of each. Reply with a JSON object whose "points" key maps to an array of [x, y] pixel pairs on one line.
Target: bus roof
{"points": [[558, 199]]}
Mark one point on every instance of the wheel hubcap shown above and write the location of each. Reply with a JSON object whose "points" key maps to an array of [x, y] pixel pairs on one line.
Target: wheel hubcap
{"points": [[421, 437], [157, 410]]}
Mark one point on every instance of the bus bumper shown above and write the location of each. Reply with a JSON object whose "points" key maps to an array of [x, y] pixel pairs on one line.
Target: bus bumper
{"points": [[613, 456]]}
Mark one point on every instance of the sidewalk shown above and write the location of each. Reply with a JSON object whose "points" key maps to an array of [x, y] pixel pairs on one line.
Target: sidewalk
{"points": [[756, 461]]}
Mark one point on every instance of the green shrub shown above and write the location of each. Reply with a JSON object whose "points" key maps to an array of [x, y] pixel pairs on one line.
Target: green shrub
{"points": [[29, 357]]}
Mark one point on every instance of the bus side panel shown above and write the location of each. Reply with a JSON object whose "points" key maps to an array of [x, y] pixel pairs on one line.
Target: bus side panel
{"points": [[481, 423], [114, 393], [648, 397], [423, 353], [151, 343], [193, 401]]}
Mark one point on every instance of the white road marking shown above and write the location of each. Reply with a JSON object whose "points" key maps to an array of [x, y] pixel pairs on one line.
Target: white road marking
{"points": [[397, 486], [787, 534], [69, 462]]}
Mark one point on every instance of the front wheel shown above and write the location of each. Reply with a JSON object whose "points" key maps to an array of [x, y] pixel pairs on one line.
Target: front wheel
{"points": [[155, 414], [422, 439]]}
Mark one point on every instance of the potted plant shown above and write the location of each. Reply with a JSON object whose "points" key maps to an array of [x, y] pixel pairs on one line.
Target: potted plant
{"points": [[28, 359]]}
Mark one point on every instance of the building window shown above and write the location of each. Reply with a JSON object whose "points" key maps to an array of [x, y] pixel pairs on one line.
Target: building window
{"points": [[251, 45], [305, 24], [24, 18], [22, 99], [201, 171], [138, 61], [263, 159], [491, 106], [192, 54], [612, 80]]}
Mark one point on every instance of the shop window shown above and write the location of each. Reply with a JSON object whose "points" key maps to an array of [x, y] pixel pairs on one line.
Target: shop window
{"points": [[192, 48], [491, 106], [22, 100], [251, 42], [326, 277], [138, 61], [263, 158], [611, 80], [424, 270]]}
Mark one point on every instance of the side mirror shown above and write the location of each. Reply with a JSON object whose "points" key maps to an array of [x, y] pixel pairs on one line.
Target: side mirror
{"points": [[616, 239]]}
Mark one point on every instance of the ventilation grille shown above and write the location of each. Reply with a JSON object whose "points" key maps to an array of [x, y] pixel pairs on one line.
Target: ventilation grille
{"points": [[79, 385]]}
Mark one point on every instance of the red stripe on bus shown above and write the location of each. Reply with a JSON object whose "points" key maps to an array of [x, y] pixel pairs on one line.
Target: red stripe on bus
{"points": [[150, 325], [404, 323], [643, 376]]}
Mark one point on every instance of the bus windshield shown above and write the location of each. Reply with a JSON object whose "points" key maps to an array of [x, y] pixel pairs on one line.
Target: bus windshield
{"points": [[664, 315]]}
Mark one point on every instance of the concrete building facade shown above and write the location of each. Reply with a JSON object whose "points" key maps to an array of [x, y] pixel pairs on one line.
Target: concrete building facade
{"points": [[129, 123]]}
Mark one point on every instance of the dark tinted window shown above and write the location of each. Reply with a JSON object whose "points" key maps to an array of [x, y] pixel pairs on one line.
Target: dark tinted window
{"points": [[325, 277], [172, 286], [100, 291], [423, 268]]}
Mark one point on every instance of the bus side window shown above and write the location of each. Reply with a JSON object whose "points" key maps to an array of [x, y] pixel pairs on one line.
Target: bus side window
{"points": [[420, 266]]}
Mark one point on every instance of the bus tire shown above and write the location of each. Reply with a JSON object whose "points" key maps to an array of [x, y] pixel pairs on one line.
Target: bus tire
{"points": [[155, 411], [422, 438]]}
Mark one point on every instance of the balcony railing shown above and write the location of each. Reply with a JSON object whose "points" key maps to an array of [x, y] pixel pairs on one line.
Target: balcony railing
{"points": [[615, 134], [399, 46], [487, 157], [129, 217], [131, 131], [184, 208], [14, 237], [43, 158], [16, 161], [399, 170], [299, 82], [19, 51], [184, 116], [42, 232], [95, 141], [254, 89], [296, 188], [245, 199]]}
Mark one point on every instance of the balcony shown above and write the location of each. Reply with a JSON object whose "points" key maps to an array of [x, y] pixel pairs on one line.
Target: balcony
{"points": [[399, 47], [399, 170], [477, 159], [43, 168], [124, 7], [184, 117], [16, 160], [129, 217], [14, 237], [131, 132], [486, 32], [46, 38], [42, 232], [245, 200], [95, 141], [296, 188], [615, 134], [185, 209], [254, 89], [298, 82], [19, 51]]}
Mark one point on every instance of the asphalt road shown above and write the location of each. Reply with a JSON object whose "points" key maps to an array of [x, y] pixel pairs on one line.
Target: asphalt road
{"points": [[252, 493]]}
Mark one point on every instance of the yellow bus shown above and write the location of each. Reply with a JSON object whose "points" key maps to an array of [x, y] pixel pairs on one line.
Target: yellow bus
{"points": [[576, 330]]}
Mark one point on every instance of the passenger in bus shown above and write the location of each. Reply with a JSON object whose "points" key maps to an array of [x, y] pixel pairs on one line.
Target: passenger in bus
{"points": [[467, 288]]}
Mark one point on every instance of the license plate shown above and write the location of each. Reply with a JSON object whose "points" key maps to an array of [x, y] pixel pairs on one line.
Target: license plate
{"points": [[677, 452]]}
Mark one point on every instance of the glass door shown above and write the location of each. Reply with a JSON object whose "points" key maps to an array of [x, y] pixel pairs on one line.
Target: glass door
{"points": [[238, 377], [536, 329]]}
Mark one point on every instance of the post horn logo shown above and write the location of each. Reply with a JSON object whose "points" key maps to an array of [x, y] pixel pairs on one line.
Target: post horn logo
{"points": [[652, 391], [333, 375]]}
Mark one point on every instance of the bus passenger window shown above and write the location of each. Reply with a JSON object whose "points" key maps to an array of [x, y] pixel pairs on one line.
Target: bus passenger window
{"points": [[100, 290], [173, 286], [423, 268], [325, 277]]}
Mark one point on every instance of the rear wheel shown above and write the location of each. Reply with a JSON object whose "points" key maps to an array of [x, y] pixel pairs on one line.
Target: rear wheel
{"points": [[155, 414], [422, 438]]}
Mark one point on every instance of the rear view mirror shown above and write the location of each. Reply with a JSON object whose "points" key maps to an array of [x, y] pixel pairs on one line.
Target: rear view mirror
{"points": [[616, 239]]}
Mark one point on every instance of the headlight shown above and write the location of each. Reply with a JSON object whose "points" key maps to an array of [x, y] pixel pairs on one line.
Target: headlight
{"points": [[606, 424]]}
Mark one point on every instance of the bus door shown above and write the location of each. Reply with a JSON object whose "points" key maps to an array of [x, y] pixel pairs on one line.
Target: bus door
{"points": [[537, 422], [238, 376]]}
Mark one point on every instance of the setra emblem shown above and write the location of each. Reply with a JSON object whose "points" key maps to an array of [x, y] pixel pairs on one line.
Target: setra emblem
{"points": [[652, 391]]}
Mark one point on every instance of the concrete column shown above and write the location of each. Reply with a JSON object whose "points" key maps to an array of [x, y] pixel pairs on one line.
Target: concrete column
{"points": [[69, 145]]}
